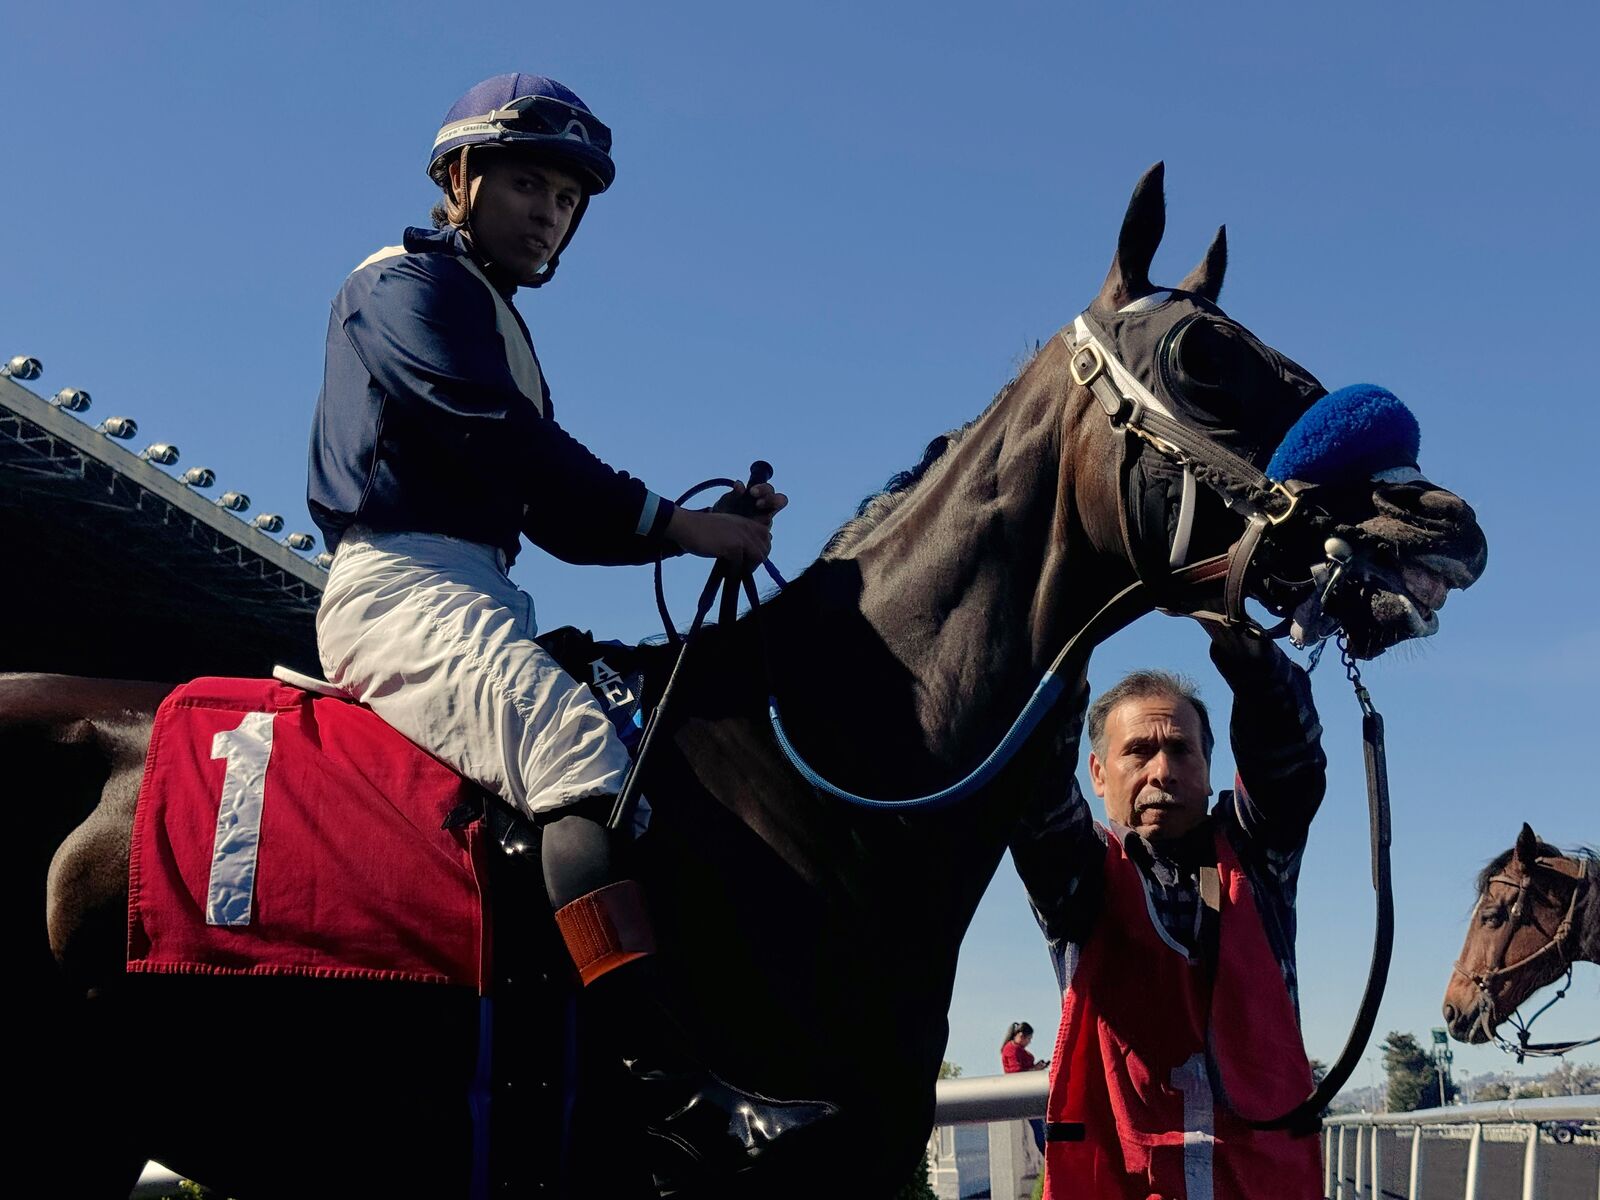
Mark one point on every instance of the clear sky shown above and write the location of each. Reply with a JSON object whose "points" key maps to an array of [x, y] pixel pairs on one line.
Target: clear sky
{"points": [[837, 229]]}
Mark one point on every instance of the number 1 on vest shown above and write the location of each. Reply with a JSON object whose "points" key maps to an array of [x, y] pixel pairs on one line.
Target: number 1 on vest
{"points": [[247, 749]]}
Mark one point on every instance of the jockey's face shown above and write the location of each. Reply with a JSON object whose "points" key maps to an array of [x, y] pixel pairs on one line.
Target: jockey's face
{"points": [[1154, 777], [521, 209]]}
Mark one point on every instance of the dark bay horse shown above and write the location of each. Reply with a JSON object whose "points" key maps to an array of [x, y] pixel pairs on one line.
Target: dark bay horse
{"points": [[1537, 913], [811, 945]]}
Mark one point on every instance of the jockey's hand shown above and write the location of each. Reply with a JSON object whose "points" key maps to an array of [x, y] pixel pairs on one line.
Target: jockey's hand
{"points": [[738, 542], [760, 503]]}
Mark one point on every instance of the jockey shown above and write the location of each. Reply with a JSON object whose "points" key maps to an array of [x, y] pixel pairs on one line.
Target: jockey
{"points": [[1172, 932], [435, 449]]}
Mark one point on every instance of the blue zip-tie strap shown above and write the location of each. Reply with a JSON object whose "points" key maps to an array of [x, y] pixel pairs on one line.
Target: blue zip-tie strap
{"points": [[1043, 699]]}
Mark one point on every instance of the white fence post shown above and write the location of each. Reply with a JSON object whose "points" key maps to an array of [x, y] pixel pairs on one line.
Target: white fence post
{"points": [[1361, 1162], [1338, 1174], [1414, 1184], [1530, 1165], [1327, 1162], [1473, 1149], [1375, 1166]]}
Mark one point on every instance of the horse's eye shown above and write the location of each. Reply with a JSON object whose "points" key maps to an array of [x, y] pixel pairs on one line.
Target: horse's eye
{"points": [[1493, 918]]}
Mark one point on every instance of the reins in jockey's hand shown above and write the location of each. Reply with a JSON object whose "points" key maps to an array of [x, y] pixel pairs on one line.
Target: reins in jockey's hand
{"points": [[719, 577]]}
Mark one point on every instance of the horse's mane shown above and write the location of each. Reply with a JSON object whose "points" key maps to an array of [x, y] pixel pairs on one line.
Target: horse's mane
{"points": [[872, 511], [1496, 864]]}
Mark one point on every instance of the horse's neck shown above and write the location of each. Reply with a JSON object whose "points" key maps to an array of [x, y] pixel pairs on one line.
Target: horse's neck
{"points": [[958, 586]]}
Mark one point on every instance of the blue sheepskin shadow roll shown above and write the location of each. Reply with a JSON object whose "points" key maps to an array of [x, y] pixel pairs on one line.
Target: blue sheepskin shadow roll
{"points": [[1350, 434]]}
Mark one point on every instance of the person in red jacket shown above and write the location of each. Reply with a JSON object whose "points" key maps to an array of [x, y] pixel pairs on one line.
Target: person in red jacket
{"points": [[1014, 1058], [1172, 931]]}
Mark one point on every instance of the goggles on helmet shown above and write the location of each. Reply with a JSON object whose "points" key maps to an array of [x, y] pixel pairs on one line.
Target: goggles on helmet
{"points": [[531, 119]]}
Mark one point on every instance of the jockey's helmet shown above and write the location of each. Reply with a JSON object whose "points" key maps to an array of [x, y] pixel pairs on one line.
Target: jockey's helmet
{"points": [[532, 112]]}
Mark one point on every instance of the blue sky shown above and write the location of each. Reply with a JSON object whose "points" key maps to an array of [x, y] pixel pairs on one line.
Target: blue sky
{"points": [[836, 231]]}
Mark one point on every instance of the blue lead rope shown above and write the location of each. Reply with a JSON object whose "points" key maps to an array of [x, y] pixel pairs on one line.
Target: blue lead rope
{"points": [[1041, 702], [1113, 615]]}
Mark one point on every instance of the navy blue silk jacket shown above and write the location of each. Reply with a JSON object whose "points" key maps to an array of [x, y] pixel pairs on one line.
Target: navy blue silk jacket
{"points": [[434, 417]]}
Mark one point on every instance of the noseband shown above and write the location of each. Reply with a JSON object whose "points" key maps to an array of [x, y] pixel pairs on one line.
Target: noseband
{"points": [[1554, 943]]}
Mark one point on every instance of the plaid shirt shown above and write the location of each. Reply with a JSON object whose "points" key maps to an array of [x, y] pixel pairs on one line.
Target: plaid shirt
{"points": [[1059, 850]]}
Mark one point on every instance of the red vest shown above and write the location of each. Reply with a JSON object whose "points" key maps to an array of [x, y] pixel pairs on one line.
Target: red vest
{"points": [[1128, 1081]]}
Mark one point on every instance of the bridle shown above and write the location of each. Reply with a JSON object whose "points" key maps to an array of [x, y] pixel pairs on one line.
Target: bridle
{"points": [[1133, 410], [1556, 943]]}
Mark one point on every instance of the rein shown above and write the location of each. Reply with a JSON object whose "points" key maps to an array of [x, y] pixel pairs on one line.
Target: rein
{"points": [[1554, 943]]}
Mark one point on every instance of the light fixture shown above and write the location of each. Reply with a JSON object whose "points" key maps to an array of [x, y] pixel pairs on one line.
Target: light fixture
{"points": [[324, 560], [121, 428], [21, 367], [268, 522], [164, 453], [233, 501], [71, 399], [300, 541], [199, 477]]}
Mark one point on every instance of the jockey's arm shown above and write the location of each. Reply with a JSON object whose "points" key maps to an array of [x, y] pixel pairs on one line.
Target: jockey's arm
{"points": [[427, 336]]}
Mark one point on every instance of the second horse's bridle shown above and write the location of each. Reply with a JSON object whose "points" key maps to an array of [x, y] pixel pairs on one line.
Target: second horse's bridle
{"points": [[1556, 942]]}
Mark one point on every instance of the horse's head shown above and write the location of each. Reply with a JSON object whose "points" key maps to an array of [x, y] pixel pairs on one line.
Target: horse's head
{"points": [[1189, 407], [1523, 935]]}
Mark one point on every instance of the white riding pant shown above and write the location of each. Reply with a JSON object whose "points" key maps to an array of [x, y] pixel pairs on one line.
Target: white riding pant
{"points": [[431, 634]]}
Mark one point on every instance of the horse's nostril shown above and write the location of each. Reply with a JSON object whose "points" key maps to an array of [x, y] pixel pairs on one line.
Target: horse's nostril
{"points": [[1450, 1014]]}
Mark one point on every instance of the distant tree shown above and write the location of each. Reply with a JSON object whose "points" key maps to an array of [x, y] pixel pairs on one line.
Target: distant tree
{"points": [[1413, 1079], [1572, 1079], [917, 1187], [1494, 1090], [1529, 1091]]}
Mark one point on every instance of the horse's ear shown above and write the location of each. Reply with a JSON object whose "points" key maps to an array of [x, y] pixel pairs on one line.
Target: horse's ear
{"points": [[1206, 279], [1142, 227], [1527, 848]]}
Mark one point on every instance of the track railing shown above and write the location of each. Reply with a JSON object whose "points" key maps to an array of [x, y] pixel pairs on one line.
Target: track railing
{"points": [[1362, 1132]]}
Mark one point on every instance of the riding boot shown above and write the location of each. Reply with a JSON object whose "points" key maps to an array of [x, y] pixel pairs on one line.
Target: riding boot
{"points": [[702, 1128]]}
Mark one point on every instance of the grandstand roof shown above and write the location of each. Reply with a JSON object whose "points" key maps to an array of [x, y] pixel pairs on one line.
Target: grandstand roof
{"points": [[116, 568]]}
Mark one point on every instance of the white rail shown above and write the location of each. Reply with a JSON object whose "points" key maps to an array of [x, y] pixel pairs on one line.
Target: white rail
{"points": [[985, 1098], [1368, 1180]]}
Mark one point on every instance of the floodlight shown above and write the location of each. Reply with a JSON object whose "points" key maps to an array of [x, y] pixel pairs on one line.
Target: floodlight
{"points": [[199, 477], [324, 560], [233, 501], [71, 399], [121, 428], [22, 367], [300, 541], [268, 522], [164, 453]]}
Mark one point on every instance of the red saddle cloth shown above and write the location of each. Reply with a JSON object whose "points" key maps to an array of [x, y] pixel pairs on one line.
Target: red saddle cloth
{"points": [[284, 833]]}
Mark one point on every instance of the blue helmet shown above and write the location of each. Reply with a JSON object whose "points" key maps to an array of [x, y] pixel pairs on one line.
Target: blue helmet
{"points": [[533, 112]]}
